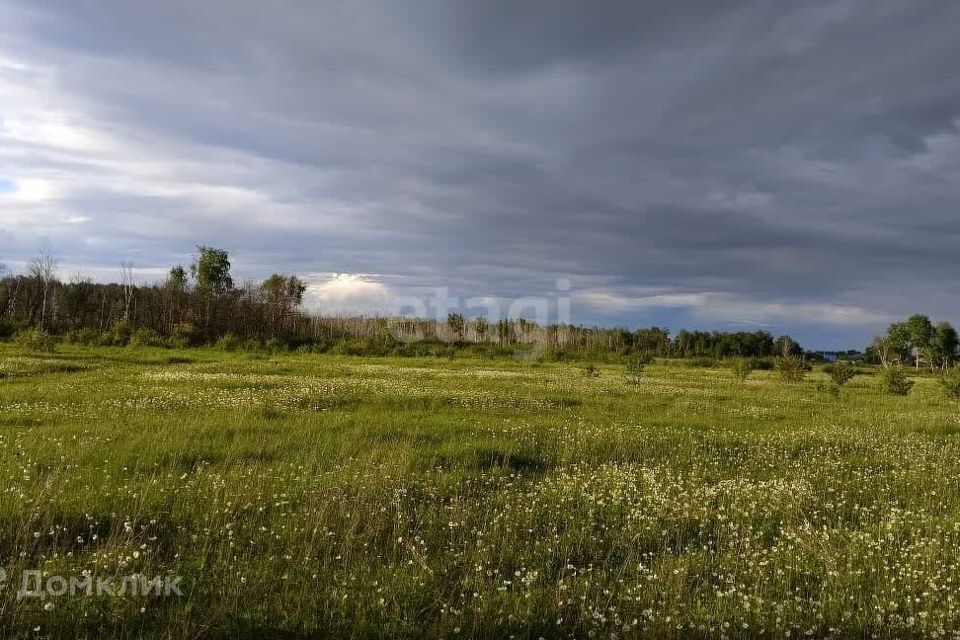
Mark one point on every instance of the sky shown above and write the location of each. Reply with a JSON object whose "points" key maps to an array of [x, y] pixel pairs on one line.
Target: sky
{"points": [[793, 167]]}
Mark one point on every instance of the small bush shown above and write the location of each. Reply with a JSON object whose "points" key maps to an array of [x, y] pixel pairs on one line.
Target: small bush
{"points": [[228, 342], [551, 354], [318, 346], [950, 382], [792, 369], [36, 340], [117, 336], [894, 381], [145, 338], [840, 373], [636, 365], [184, 335], [251, 345], [86, 336], [742, 368], [764, 364], [276, 345]]}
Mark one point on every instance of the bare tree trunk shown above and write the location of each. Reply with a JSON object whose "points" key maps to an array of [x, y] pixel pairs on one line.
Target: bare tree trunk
{"points": [[43, 269], [126, 279]]}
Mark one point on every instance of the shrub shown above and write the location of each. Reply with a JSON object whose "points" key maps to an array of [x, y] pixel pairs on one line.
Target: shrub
{"points": [[251, 345], [764, 364], [184, 335], [550, 354], [320, 345], [36, 340], [636, 365], [895, 382], [7, 329], [840, 373], [792, 368], [228, 342], [276, 345], [145, 338], [117, 336], [950, 382], [86, 336], [742, 368]]}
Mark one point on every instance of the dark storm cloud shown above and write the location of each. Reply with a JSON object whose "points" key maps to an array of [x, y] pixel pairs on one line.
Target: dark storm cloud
{"points": [[706, 163]]}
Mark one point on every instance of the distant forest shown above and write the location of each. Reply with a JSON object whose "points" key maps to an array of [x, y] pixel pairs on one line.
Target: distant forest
{"points": [[201, 305]]}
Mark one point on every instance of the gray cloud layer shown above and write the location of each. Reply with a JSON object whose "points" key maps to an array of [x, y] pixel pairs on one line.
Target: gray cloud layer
{"points": [[792, 166]]}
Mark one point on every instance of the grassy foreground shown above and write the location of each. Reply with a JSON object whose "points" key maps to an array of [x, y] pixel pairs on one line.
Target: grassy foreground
{"points": [[302, 496]]}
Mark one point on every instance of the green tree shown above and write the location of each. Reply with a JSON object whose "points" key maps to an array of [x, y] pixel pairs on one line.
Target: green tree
{"points": [[653, 340], [481, 326], [880, 351], [840, 372], [895, 382], [742, 368], [791, 364], [944, 346], [787, 346], [950, 382], [457, 324], [920, 335], [283, 294], [211, 270], [283, 291], [792, 368], [177, 279], [636, 365], [504, 334], [898, 342]]}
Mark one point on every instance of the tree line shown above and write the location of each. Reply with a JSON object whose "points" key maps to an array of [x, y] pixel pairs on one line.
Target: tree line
{"points": [[193, 306], [201, 304], [917, 342]]}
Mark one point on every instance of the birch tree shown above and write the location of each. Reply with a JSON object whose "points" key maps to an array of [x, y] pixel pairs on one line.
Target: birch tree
{"points": [[44, 268]]}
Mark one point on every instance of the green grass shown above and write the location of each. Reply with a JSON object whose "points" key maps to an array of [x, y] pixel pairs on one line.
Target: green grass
{"points": [[310, 495]]}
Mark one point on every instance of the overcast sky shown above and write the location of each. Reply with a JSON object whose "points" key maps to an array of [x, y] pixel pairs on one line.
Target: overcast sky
{"points": [[788, 166]]}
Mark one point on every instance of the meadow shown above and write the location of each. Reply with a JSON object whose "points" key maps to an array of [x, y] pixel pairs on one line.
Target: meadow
{"points": [[304, 495]]}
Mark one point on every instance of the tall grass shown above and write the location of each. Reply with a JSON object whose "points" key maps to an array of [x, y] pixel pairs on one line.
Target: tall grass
{"points": [[318, 495]]}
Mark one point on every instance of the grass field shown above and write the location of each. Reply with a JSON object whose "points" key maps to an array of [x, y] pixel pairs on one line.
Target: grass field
{"points": [[303, 495]]}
